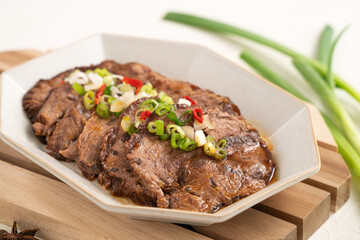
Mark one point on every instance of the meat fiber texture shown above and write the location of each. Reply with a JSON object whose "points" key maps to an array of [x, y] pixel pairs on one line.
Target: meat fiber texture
{"points": [[141, 166]]}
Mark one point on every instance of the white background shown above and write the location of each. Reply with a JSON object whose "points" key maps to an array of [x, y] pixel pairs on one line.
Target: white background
{"points": [[44, 25]]}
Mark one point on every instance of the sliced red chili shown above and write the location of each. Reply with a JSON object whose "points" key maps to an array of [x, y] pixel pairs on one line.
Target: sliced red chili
{"points": [[198, 114], [193, 103], [133, 82], [145, 114], [99, 93], [62, 82]]}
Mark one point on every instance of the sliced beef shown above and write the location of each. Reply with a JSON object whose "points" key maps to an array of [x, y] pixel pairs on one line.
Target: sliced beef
{"points": [[142, 167], [53, 109], [36, 96], [90, 141], [68, 129], [152, 173]]}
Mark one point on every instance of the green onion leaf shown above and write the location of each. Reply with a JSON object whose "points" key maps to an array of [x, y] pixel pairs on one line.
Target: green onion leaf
{"points": [[117, 114], [329, 76], [324, 44], [89, 100], [78, 88], [187, 119], [102, 110], [269, 74], [226, 28]]}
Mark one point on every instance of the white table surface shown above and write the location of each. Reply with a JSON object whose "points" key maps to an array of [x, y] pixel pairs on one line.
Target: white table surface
{"points": [[43, 25]]}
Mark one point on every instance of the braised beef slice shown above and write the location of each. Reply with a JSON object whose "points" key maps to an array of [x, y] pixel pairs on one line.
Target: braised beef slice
{"points": [[54, 109], [36, 96], [90, 141], [68, 129]]}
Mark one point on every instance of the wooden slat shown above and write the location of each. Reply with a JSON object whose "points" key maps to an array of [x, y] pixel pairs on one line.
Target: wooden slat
{"points": [[306, 206], [62, 213], [322, 132], [249, 225], [13, 58], [334, 177]]}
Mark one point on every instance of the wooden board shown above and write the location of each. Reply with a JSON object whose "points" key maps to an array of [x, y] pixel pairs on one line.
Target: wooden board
{"points": [[294, 213]]}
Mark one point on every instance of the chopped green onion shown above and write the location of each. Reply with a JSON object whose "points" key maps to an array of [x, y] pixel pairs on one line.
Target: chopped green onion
{"points": [[102, 72], [220, 154], [175, 129], [78, 88], [188, 119], [152, 127], [221, 144], [147, 88], [106, 99], [102, 110], [159, 127], [187, 145], [89, 100], [163, 108], [172, 116], [117, 114], [150, 104], [156, 127], [209, 149], [132, 129], [176, 140], [165, 98], [107, 90], [164, 137]]}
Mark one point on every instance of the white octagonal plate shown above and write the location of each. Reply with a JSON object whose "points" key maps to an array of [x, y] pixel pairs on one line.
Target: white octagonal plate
{"points": [[283, 119]]}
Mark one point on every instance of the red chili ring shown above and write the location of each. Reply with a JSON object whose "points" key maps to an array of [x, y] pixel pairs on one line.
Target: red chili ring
{"points": [[198, 114]]}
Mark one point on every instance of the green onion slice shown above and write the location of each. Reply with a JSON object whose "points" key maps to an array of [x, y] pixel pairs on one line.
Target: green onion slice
{"points": [[221, 144], [107, 90], [102, 72], [175, 129], [188, 113], [150, 104], [106, 99], [132, 129], [220, 154], [176, 140], [164, 136], [209, 149], [164, 108], [187, 145], [89, 100], [78, 88], [151, 127], [102, 110]]}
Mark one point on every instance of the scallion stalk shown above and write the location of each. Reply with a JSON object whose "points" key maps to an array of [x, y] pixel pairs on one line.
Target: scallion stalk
{"points": [[216, 26], [330, 99], [350, 155]]}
